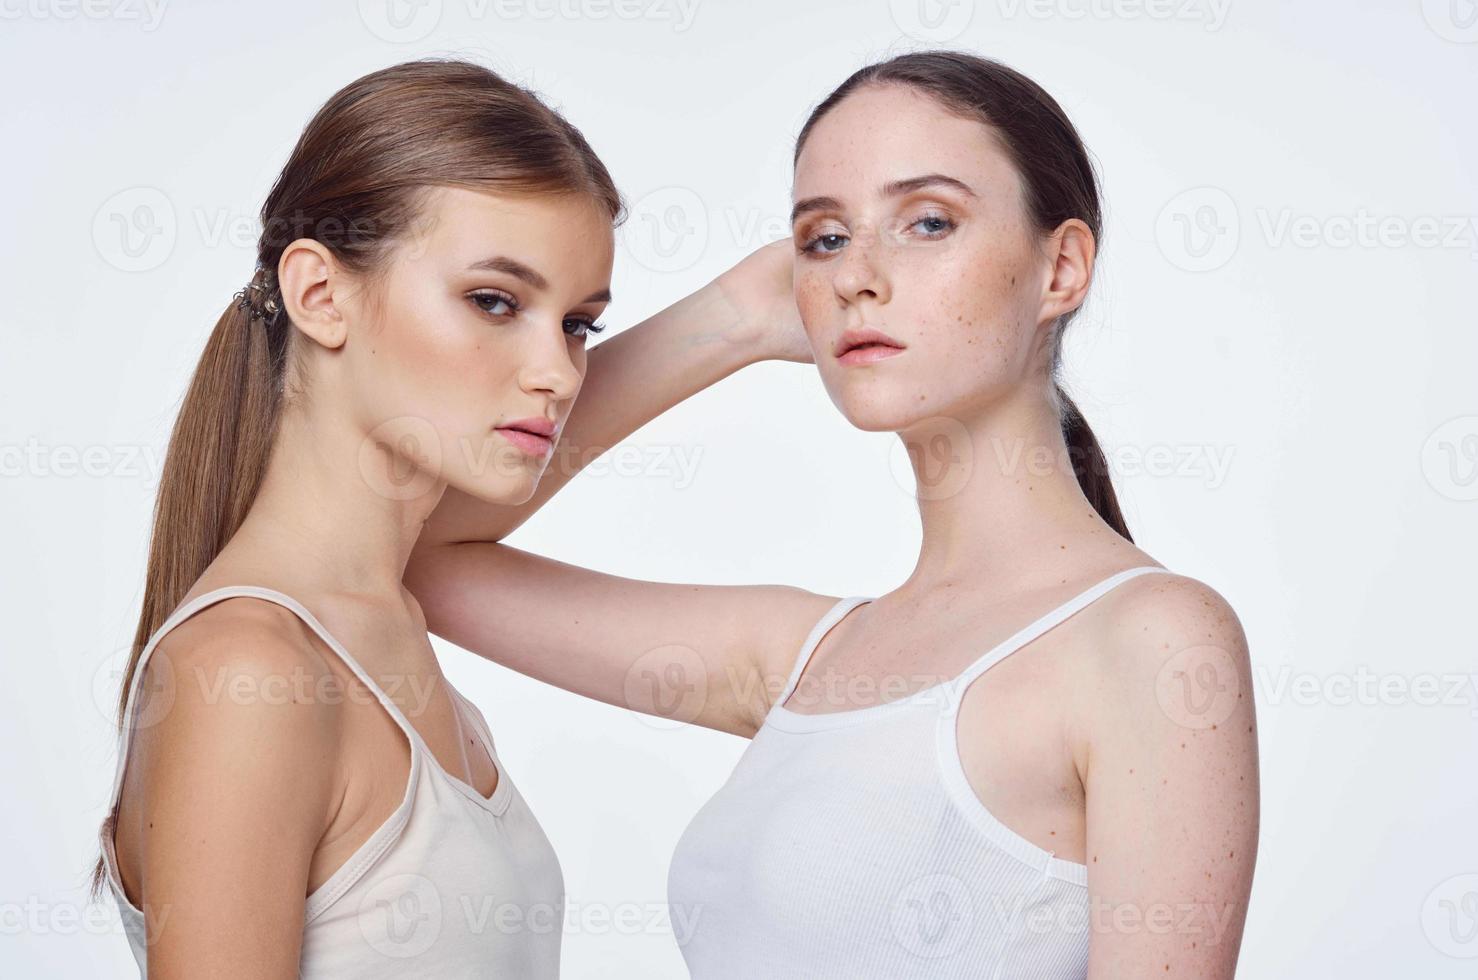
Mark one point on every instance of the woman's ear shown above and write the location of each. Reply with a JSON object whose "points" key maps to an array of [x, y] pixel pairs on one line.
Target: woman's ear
{"points": [[306, 276], [1071, 250]]}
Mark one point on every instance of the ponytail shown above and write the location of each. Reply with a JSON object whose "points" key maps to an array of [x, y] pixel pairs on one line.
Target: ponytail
{"points": [[217, 457], [1090, 465]]}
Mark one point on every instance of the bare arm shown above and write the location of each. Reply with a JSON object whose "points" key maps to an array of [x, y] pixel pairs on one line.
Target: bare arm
{"points": [[711, 655], [1172, 784], [235, 795], [707, 654]]}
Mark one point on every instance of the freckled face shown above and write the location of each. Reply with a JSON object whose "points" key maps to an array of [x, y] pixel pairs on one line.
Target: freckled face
{"points": [[947, 267], [480, 320]]}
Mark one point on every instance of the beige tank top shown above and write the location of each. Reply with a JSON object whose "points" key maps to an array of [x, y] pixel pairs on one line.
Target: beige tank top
{"points": [[453, 884]]}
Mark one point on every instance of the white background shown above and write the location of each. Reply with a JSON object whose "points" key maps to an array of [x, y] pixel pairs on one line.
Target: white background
{"points": [[1283, 313]]}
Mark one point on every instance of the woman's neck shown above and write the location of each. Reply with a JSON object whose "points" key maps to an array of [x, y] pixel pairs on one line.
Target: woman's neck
{"points": [[999, 502], [327, 507]]}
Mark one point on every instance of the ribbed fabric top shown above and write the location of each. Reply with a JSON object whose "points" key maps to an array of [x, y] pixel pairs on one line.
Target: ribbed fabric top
{"points": [[452, 884], [850, 844]]}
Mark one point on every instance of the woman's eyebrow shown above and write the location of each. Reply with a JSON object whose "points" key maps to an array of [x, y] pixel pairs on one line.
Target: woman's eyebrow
{"points": [[518, 270], [894, 188], [512, 267], [814, 204], [911, 184]]}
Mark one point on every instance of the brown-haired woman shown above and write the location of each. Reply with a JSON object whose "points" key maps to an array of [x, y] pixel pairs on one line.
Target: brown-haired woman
{"points": [[299, 791], [1037, 756]]}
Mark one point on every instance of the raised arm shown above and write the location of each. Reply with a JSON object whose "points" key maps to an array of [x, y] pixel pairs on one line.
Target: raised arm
{"points": [[711, 655]]}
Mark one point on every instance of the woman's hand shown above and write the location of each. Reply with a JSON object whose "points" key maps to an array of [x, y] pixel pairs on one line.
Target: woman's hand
{"points": [[759, 291]]}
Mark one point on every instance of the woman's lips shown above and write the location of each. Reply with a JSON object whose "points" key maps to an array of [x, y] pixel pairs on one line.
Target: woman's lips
{"points": [[865, 345], [529, 442], [869, 354]]}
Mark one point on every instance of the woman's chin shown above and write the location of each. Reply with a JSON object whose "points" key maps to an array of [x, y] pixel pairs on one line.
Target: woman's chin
{"points": [[875, 416], [507, 490]]}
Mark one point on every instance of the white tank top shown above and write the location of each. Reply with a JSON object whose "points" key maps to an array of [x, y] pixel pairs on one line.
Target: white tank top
{"points": [[453, 884], [850, 844]]}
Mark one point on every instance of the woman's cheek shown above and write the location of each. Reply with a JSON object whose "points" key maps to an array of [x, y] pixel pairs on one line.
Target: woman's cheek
{"points": [[812, 292]]}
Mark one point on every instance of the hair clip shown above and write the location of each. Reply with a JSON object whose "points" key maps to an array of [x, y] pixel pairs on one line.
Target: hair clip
{"points": [[259, 303]]}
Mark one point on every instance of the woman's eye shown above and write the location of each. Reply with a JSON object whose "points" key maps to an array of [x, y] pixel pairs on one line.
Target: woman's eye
{"points": [[494, 304], [579, 328], [934, 225], [825, 244]]}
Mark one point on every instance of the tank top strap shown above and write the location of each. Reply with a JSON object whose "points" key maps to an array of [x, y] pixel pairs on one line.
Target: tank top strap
{"points": [[474, 713], [829, 619], [1046, 622], [207, 599]]}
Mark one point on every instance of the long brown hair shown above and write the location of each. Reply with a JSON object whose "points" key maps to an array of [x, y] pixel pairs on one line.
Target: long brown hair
{"points": [[1059, 180], [355, 182]]}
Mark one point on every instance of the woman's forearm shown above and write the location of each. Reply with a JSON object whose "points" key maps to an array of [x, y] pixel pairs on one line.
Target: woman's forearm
{"points": [[630, 380]]}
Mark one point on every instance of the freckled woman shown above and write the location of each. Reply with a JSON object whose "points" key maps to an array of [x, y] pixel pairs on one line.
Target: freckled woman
{"points": [[1025, 797]]}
